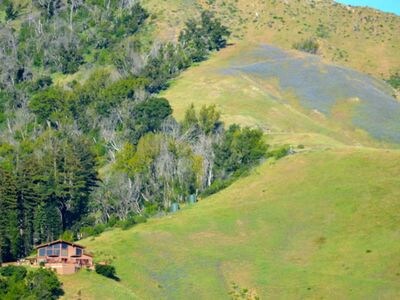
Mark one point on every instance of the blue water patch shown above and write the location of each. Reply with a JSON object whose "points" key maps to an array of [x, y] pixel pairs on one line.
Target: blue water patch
{"points": [[319, 86]]}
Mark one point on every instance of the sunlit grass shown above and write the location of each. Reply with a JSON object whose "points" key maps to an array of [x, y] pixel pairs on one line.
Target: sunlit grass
{"points": [[318, 224]]}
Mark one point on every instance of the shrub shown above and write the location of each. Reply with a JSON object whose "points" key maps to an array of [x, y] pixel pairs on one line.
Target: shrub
{"points": [[309, 45], [70, 59], [17, 272], [49, 104], [67, 235], [107, 271], [17, 283], [44, 284], [131, 221], [11, 12], [217, 185], [87, 231], [112, 221], [150, 209], [322, 31], [394, 80], [280, 152], [140, 219], [128, 223], [99, 228]]}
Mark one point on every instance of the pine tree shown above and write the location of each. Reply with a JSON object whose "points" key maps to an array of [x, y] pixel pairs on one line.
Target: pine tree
{"points": [[8, 204]]}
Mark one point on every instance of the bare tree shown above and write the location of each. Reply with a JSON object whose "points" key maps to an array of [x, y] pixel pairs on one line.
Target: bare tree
{"points": [[8, 57]]}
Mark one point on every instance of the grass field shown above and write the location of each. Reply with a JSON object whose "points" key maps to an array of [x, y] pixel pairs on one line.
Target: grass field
{"points": [[290, 94], [313, 225]]}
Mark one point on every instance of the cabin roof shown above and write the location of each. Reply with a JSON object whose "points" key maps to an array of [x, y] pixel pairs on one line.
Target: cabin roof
{"points": [[59, 241]]}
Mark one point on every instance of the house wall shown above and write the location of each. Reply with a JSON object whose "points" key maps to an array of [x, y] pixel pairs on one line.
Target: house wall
{"points": [[71, 252], [62, 269], [66, 264]]}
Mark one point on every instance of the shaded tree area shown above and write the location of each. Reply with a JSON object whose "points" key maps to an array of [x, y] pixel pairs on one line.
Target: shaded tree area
{"points": [[44, 190], [204, 35], [65, 35], [175, 161], [17, 283]]}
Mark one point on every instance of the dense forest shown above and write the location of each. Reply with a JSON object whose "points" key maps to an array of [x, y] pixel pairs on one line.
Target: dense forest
{"points": [[79, 155]]}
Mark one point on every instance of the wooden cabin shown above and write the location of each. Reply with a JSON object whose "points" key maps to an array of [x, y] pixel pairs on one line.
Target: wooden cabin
{"points": [[63, 257]]}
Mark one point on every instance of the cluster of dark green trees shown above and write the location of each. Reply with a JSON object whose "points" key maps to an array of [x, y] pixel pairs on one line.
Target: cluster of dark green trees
{"points": [[45, 185], [104, 149], [17, 283]]}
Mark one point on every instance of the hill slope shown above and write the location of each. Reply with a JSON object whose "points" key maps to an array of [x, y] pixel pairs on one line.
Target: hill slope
{"points": [[362, 38], [288, 92], [318, 224]]}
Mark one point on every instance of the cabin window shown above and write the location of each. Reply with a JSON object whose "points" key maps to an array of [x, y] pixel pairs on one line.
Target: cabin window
{"points": [[53, 250], [64, 249], [78, 251], [42, 252], [56, 250]]}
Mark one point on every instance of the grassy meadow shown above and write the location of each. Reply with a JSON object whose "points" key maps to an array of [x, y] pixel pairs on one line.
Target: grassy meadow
{"points": [[259, 100], [313, 225]]}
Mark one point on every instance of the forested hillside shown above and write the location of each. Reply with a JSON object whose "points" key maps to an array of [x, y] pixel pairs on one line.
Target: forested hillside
{"points": [[115, 112], [77, 155]]}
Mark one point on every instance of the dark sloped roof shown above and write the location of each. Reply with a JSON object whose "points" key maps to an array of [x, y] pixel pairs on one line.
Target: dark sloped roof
{"points": [[59, 241]]}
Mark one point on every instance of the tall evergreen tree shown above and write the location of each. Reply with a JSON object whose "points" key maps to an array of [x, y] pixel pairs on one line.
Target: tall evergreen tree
{"points": [[8, 207]]}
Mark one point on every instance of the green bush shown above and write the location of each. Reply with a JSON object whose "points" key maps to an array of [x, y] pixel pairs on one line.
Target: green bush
{"points": [[280, 152], [87, 231], [67, 235], [150, 209], [128, 223], [17, 283], [11, 12], [322, 31], [44, 284], [140, 219], [217, 185], [107, 271], [309, 45], [394, 80], [17, 272], [131, 221]]}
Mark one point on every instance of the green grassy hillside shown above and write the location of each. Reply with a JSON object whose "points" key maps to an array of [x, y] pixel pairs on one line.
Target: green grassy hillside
{"points": [[313, 225], [322, 223], [297, 111]]}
